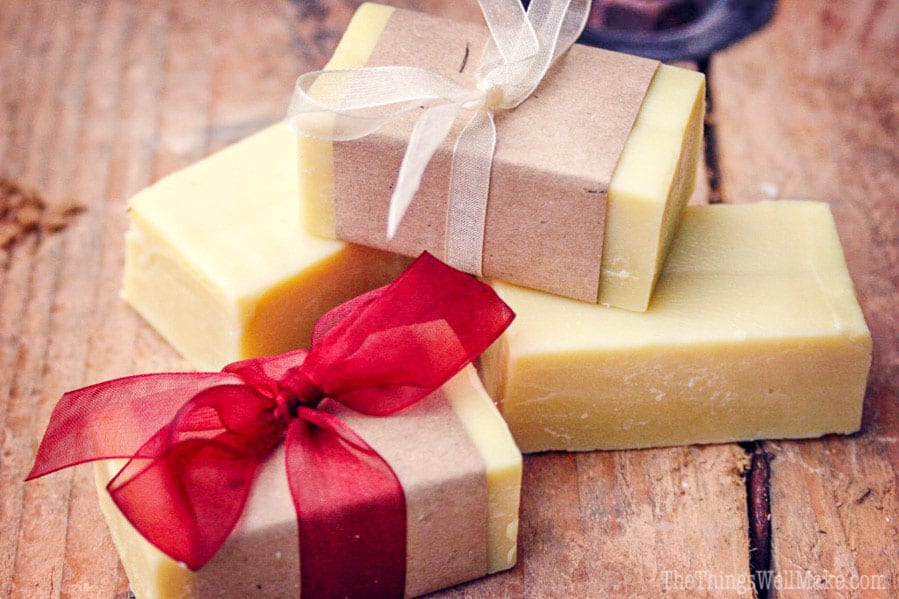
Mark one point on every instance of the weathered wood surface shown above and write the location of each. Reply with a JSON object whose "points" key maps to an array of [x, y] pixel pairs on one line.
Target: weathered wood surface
{"points": [[101, 98], [819, 119]]}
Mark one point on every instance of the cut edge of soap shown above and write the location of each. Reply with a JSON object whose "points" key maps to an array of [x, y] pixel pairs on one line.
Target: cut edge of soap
{"points": [[835, 280], [627, 281], [221, 322], [844, 410], [503, 466], [316, 156]]}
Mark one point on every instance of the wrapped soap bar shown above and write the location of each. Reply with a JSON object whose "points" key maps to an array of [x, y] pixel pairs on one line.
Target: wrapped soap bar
{"points": [[372, 464], [461, 475], [217, 262], [589, 176], [754, 332]]}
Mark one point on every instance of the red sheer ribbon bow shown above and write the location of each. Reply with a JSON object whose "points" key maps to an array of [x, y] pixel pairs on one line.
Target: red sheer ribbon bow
{"points": [[195, 440]]}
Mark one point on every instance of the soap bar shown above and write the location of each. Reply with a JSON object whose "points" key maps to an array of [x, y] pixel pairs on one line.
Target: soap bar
{"points": [[461, 475], [754, 332], [588, 180], [217, 261]]}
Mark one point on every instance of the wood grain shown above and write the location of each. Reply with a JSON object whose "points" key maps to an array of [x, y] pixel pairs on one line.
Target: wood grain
{"points": [[101, 98], [822, 122]]}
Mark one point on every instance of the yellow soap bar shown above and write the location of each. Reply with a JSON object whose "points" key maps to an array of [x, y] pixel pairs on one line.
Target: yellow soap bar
{"points": [[217, 262], [649, 188], [261, 556], [754, 332]]}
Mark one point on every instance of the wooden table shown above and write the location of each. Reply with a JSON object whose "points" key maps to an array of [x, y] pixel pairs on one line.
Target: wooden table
{"points": [[101, 98]]}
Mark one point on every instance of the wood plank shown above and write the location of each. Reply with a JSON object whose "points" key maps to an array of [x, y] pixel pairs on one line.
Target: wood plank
{"points": [[124, 84], [133, 91], [821, 123], [42, 565], [33, 275]]}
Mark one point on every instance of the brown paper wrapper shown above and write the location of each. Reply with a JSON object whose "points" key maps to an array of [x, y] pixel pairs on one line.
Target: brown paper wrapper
{"points": [[444, 481], [554, 158]]}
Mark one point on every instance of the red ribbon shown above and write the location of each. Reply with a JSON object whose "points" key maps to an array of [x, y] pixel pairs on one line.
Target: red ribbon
{"points": [[188, 476]]}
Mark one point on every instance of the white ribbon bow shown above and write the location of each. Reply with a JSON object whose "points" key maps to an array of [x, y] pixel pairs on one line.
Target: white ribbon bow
{"points": [[522, 48]]}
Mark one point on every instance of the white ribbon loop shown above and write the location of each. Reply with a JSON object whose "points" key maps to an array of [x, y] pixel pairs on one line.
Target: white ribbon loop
{"points": [[349, 104], [510, 31]]}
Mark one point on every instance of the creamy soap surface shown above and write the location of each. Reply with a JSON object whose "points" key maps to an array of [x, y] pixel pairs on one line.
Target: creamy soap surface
{"points": [[217, 262], [754, 332]]}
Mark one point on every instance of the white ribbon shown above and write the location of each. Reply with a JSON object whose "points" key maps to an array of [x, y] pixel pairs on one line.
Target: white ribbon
{"points": [[352, 103]]}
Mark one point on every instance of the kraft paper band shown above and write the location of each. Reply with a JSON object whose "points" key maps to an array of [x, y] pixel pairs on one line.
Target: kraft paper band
{"points": [[444, 480]]}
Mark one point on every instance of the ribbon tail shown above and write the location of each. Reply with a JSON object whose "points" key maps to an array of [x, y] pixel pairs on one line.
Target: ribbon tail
{"points": [[466, 216], [430, 130], [572, 26], [351, 511], [187, 501]]}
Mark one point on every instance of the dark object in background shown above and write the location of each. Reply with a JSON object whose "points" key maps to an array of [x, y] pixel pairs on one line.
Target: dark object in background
{"points": [[673, 29]]}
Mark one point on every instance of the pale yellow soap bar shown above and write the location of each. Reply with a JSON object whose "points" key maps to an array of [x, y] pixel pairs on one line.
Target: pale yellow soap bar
{"points": [[754, 332], [217, 262], [260, 558], [650, 185]]}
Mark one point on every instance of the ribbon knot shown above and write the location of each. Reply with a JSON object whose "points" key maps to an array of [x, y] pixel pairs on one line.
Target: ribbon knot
{"points": [[296, 389], [492, 96], [350, 104]]}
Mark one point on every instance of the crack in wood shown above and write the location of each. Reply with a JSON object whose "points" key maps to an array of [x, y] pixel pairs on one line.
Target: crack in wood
{"points": [[709, 137], [758, 506]]}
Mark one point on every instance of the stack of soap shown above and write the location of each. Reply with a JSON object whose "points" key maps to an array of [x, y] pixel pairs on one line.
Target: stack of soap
{"points": [[588, 181], [754, 332], [750, 329], [461, 475], [217, 262]]}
